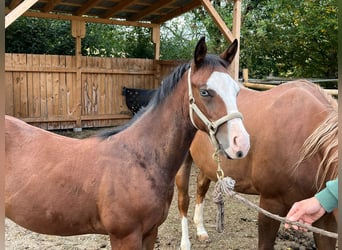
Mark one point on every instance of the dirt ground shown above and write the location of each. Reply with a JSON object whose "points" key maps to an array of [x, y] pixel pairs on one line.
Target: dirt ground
{"points": [[240, 228]]}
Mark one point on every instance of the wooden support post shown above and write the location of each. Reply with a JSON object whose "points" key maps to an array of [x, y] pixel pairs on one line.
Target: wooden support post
{"points": [[230, 36], [78, 31], [218, 20], [245, 76], [156, 41], [236, 34]]}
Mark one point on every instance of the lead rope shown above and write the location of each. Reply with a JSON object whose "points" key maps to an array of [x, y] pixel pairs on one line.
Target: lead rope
{"points": [[225, 185], [222, 182]]}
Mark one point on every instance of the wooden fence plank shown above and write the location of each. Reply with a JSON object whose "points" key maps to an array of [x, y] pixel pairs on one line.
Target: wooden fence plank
{"points": [[43, 89], [36, 95], [23, 88], [52, 88], [108, 95], [62, 88], [29, 94], [69, 100], [9, 84], [16, 95], [55, 86], [9, 102], [49, 84]]}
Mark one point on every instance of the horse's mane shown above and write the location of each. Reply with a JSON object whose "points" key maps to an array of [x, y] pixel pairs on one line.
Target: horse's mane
{"points": [[323, 138], [167, 86]]}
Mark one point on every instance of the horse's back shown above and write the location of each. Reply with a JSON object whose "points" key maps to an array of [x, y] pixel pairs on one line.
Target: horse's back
{"points": [[300, 96], [13, 125], [20, 134]]}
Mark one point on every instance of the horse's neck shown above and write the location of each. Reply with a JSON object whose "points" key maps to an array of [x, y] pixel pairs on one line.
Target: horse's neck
{"points": [[166, 132]]}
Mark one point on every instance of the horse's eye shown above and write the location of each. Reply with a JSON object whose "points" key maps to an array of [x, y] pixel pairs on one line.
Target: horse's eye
{"points": [[204, 92]]}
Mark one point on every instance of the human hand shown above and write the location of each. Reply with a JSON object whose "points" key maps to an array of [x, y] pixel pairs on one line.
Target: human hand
{"points": [[306, 212]]}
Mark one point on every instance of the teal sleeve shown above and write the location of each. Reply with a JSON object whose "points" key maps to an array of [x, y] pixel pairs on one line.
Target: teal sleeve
{"points": [[328, 197]]}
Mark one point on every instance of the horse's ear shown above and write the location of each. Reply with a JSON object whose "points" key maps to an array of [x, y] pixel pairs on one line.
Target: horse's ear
{"points": [[230, 52], [200, 52]]}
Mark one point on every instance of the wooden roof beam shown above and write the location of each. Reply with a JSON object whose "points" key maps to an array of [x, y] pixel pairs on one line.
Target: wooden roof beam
{"points": [[160, 4], [119, 7], [18, 11], [14, 4], [86, 7], [177, 12], [51, 5], [88, 19]]}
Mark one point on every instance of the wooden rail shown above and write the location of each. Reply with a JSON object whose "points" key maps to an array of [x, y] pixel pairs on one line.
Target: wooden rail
{"points": [[265, 86]]}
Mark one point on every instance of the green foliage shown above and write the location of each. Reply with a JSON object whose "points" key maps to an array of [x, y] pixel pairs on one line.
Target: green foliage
{"points": [[281, 38], [179, 37], [45, 36], [138, 43], [100, 40], [290, 38], [39, 36], [216, 42]]}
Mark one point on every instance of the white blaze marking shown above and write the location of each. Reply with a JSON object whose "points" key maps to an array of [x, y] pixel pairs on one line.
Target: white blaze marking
{"points": [[225, 87], [236, 139]]}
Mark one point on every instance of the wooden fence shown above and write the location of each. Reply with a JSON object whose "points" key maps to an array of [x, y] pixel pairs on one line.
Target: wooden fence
{"points": [[45, 91], [51, 92]]}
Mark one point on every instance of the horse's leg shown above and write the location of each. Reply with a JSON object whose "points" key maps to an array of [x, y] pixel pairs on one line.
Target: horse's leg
{"points": [[203, 184], [150, 239], [327, 222], [182, 183], [267, 227], [132, 241]]}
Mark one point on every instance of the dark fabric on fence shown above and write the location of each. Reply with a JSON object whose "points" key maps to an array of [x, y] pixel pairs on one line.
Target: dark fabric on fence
{"points": [[137, 98]]}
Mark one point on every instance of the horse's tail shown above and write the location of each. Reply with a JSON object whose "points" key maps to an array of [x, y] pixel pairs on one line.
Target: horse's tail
{"points": [[323, 138]]}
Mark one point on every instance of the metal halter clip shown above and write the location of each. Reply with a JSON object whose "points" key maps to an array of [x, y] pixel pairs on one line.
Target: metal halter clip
{"points": [[219, 171]]}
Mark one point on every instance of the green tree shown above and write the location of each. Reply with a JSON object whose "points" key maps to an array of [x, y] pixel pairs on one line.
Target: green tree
{"points": [[290, 38], [179, 37], [284, 38], [39, 36], [100, 40], [138, 43], [49, 36]]}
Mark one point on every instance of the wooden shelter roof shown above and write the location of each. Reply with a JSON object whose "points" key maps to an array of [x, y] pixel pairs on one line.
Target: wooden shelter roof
{"points": [[145, 11]]}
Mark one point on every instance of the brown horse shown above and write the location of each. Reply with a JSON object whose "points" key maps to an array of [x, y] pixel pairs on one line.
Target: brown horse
{"points": [[122, 184], [293, 130]]}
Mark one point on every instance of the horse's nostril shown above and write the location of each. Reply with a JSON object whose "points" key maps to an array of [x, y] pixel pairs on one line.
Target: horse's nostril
{"points": [[239, 154]]}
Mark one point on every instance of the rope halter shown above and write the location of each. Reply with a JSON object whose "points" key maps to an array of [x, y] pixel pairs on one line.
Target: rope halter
{"points": [[212, 126]]}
